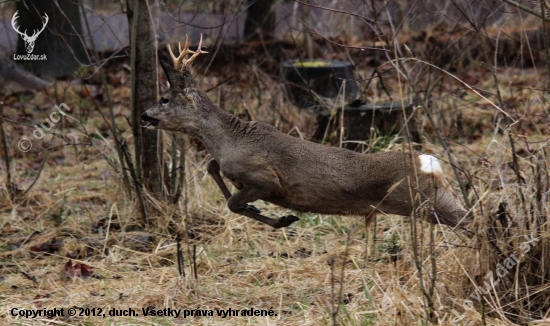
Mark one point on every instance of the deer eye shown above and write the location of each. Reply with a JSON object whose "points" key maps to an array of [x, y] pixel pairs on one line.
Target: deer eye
{"points": [[164, 101]]}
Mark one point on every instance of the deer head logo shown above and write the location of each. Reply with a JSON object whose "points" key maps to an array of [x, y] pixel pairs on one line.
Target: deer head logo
{"points": [[29, 40]]}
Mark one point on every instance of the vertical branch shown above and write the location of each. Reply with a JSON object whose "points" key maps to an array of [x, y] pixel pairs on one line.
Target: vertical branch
{"points": [[138, 185], [181, 187], [342, 105], [132, 12], [545, 36], [433, 259], [515, 164], [330, 262], [260, 20], [39, 173], [309, 40], [448, 150], [181, 260], [183, 179], [111, 111], [173, 174], [5, 146], [195, 261], [413, 184], [337, 309]]}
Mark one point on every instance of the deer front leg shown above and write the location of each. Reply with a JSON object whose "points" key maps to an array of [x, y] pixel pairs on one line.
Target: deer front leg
{"points": [[238, 203], [213, 169]]}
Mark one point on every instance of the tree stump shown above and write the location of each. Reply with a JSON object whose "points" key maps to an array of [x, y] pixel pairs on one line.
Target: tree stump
{"points": [[307, 78], [362, 122]]}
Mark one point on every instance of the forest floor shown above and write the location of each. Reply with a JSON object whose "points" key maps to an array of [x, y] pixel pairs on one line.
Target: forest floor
{"points": [[75, 239]]}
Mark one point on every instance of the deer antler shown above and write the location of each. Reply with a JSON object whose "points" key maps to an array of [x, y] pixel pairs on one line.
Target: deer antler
{"points": [[180, 62], [15, 16], [35, 32], [46, 20]]}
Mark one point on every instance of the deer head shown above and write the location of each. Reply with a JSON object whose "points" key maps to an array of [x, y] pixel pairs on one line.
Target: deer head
{"points": [[177, 109], [29, 40]]}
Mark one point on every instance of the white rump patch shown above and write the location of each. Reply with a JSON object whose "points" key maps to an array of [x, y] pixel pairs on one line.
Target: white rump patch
{"points": [[430, 164]]}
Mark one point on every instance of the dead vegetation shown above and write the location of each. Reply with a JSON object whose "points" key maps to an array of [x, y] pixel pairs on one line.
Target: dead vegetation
{"points": [[74, 238]]}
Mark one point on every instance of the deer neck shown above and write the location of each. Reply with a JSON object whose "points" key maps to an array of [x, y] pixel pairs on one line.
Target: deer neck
{"points": [[214, 129]]}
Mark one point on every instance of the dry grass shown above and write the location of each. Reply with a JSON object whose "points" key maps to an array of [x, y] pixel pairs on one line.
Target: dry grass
{"points": [[241, 264], [298, 272]]}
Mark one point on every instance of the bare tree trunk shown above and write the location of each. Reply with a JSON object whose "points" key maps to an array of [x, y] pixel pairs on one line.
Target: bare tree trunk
{"points": [[260, 20], [144, 93]]}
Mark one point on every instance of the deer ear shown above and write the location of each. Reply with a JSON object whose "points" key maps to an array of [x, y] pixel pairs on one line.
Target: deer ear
{"points": [[175, 78]]}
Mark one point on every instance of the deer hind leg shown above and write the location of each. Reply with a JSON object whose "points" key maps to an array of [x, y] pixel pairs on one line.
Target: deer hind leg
{"points": [[238, 203], [371, 243], [369, 218]]}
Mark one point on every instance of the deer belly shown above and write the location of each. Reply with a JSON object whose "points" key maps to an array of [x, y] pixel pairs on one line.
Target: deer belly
{"points": [[322, 205], [339, 202]]}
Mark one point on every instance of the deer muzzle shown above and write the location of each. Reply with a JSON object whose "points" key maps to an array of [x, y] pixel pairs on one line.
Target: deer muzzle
{"points": [[151, 122]]}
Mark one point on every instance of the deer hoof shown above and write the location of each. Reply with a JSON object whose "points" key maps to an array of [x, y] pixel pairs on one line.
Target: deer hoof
{"points": [[252, 208], [289, 219]]}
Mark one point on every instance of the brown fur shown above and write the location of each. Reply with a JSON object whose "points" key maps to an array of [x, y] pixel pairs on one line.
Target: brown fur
{"points": [[264, 163]]}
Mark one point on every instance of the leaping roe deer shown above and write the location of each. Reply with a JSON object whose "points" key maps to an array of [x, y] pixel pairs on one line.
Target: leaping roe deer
{"points": [[264, 163]]}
